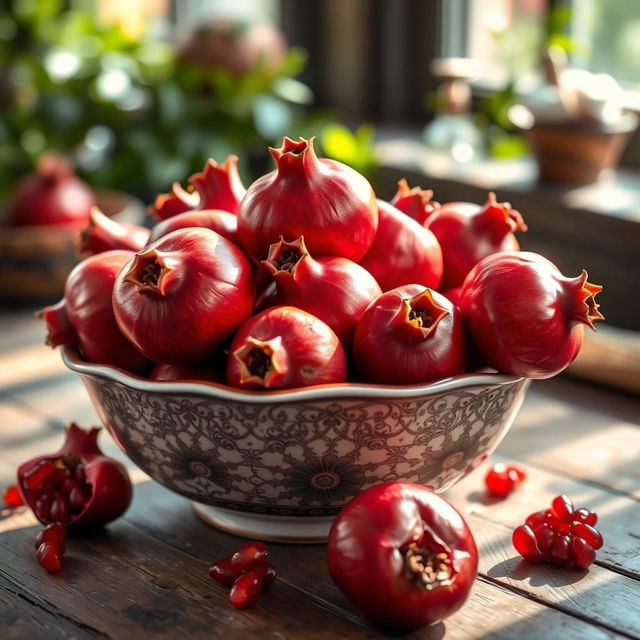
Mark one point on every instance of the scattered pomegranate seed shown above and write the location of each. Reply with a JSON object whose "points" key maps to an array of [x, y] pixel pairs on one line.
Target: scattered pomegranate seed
{"points": [[560, 535], [224, 572], [249, 554], [503, 478], [247, 572], [526, 545], [11, 496], [55, 534], [562, 508], [586, 516], [247, 589], [48, 556]]}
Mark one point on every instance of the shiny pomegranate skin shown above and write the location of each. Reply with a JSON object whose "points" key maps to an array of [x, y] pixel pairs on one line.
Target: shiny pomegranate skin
{"points": [[524, 316], [334, 289], [403, 252], [284, 348], [325, 201], [84, 318], [410, 335], [222, 222], [402, 555], [183, 296], [467, 233]]}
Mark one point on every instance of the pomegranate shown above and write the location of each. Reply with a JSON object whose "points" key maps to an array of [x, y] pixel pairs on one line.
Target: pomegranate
{"points": [[51, 195], [402, 555], [285, 347], [222, 222], [336, 290], [524, 316], [84, 317], [76, 486], [467, 233], [325, 201], [180, 298], [200, 371], [416, 202], [409, 335], [402, 252], [104, 234]]}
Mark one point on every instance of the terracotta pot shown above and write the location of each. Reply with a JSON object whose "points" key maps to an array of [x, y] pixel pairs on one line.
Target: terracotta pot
{"points": [[576, 152], [35, 261]]}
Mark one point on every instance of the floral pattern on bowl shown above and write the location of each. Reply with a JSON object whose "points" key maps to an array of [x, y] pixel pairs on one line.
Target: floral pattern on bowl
{"points": [[304, 452]]}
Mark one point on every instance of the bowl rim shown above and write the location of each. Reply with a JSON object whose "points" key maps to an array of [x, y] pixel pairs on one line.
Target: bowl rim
{"points": [[73, 360]]}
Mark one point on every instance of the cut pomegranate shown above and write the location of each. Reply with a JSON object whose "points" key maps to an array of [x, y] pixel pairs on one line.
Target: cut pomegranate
{"points": [[48, 556], [11, 496], [78, 485], [54, 534], [503, 478]]}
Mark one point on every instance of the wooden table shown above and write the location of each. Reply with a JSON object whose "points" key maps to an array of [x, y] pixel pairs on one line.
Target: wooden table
{"points": [[147, 577]]}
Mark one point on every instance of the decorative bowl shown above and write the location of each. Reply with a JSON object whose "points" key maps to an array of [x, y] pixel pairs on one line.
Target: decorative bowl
{"points": [[279, 465]]}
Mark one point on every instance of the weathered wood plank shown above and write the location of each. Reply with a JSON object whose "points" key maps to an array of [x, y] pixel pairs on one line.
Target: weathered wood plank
{"points": [[161, 513], [599, 595], [131, 585], [581, 431], [25, 618]]}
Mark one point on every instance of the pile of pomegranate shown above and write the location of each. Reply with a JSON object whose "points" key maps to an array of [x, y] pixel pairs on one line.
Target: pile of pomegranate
{"points": [[306, 278]]}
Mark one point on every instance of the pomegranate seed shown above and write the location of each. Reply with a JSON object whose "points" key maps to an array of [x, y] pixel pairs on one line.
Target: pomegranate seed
{"points": [[562, 508], [585, 515], [545, 536], [48, 556], [525, 544], [70, 484], [536, 519], [249, 554], [39, 475], [42, 506], [78, 499], [561, 551], [11, 496], [55, 534], [582, 553], [503, 478], [247, 588], [590, 535], [62, 471], [80, 474], [224, 572], [556, 523], [59, 509], [266, 573]]}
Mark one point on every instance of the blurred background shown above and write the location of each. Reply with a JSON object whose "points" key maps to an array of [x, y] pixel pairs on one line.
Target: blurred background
{"points": [[536, 99]]}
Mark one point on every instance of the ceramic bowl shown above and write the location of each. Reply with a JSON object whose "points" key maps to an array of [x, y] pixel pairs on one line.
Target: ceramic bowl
{"points": [[279, 465]]}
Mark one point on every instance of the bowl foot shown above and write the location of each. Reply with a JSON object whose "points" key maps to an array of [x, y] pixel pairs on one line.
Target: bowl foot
{"points": [[292, 530]]}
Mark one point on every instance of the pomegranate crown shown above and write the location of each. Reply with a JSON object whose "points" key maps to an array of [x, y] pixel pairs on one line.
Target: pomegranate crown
{"points": [[295, 154], [285, 256], [219, 185], [509, 219], [262, 362], [419, 316], [588, 309], [416, 202], [150, 271]]}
